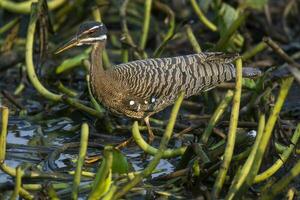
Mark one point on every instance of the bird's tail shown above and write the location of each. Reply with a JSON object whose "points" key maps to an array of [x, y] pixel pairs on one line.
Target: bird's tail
{"points": [[251, 72]]}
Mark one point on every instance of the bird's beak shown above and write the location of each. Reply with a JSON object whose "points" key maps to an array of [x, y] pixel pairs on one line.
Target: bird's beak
{"points": [[67, 46]]}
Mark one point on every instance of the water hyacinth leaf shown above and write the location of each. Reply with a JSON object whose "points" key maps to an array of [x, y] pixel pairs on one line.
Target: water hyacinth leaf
{"points": [[120, 164], [255, 4], [249, 83], [204, 4], [227, 16], [103, 177]]}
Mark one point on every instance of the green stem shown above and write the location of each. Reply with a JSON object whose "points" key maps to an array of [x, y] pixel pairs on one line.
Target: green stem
{"points": [[168, 153], [165, 8], [127, 38], [31, 69], [217, 116], [154, 162], [222, 43], [103, 177], [202, 17], [4, 123], [71, 63], [285, 86], [238, 181], [255, 50], [25, 194], [105, 57], [24, 7], [66, 90], [18, 183], [29, 61], [93, 100], [74, 103], [124, 55], [282, 183], [80, 161], [283, 158], [146, 24], [192, 38], [232, 132], [9, 25]]}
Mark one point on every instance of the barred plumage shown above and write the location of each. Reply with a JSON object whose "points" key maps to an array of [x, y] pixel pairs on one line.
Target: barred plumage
{"points": [[141, 88], [163, 79]]}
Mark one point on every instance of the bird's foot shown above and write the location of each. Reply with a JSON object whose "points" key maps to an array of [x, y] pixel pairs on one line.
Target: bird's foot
{"points": [[92, 159], [124, 143], [151, 136]]}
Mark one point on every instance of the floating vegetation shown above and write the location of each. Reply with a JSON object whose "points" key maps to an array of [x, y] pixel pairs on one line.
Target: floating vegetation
{"points": [[237, 141]]}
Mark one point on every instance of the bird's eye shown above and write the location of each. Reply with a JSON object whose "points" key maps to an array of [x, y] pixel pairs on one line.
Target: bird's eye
{"points": [[90, 31]]}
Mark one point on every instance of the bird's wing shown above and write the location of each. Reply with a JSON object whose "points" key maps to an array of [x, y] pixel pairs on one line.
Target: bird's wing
{"points": [[153, 84], [185, 60]]}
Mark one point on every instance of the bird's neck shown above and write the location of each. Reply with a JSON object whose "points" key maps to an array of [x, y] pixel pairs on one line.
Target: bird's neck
{"points": [[101, 81], [97, 70]]}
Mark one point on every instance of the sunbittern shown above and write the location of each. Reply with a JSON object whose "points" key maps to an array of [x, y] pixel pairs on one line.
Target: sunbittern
{"points": [[141, 88]]}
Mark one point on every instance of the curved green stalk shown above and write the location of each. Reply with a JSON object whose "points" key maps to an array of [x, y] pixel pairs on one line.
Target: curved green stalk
{"points": [[32, 74], [66, 90], [285, 86], [126, 36], [9, 25], [202, 17], [24, 7], [192, 38], [93, 100], [18, 183], [29, 61], [217, 116], [239, 180], [283, 158], [232, 132], [146, 24], [165, 8], [4, 123], [25, 194], [255, 50], [73, 62], [154, 162], [73, 102], [282, 183], [103, 177], [82, 152], [105, 57], [221, 45], [168, 153]]}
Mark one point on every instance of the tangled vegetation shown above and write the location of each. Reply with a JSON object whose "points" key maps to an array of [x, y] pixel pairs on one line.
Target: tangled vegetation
{"points": [[237, 141]]}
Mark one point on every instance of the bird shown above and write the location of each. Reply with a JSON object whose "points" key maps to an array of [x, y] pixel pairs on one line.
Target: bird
{"points": [[141, 88]]}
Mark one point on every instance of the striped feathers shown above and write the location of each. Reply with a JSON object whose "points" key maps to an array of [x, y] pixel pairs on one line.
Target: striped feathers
{"points": [[153, 84]]}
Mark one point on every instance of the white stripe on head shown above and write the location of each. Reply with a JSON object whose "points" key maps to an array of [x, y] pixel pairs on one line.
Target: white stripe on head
{"points": [[95, 27], [100, 38]]}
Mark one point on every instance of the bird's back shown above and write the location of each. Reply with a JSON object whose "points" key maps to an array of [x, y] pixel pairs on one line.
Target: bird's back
{"points": [[153, 84]]}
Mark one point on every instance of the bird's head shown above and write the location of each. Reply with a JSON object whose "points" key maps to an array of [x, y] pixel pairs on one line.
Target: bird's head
{"points": [[88, 33]]}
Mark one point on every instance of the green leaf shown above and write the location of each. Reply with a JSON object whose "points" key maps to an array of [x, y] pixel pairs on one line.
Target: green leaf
{"points": [[204, 4], [103, 177], [249, 83], [255, 4], [120, 164], [227, 15]]}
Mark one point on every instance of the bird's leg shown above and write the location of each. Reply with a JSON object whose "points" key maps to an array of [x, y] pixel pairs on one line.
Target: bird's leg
{"points": [[124, 143], [151, 135]]}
